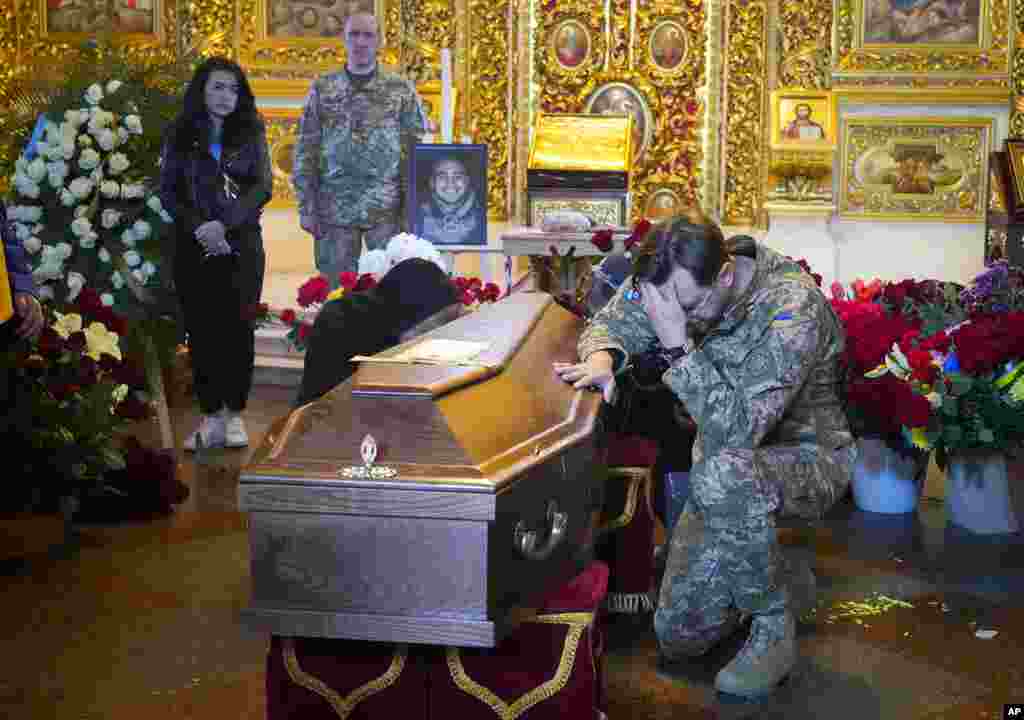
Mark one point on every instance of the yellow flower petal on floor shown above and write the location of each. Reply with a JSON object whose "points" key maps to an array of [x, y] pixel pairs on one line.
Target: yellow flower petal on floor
{"points": [[920, 439], [99, 340], [67, 324]]}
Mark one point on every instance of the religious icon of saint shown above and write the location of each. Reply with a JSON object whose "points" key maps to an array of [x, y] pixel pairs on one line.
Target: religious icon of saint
{"points": [[801, 127], [667, 46], [571, 44]]}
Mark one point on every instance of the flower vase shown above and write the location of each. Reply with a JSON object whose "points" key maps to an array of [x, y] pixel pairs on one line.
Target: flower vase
{"points": [[884, 480], [984, 492]]}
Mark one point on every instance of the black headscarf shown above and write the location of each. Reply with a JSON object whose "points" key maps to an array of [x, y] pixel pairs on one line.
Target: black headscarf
{"points": [[366, 323]]}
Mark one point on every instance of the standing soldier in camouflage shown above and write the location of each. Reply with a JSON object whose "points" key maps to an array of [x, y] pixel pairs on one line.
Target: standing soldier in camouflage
{"points": [[356, 131], [754, 351]]}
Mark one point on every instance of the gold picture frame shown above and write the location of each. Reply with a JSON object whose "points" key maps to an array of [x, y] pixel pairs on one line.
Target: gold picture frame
{"points": [[874, 41], [299, 36], [282, 133], [139, 22], [804, 120], [916, 169], [1014, 165]]}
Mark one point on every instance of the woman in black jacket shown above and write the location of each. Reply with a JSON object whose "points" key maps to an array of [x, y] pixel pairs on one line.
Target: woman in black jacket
{"points": [[215, 178]]}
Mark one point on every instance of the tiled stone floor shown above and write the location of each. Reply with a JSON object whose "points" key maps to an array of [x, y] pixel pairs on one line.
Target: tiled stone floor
{"points": [[139, 620]]}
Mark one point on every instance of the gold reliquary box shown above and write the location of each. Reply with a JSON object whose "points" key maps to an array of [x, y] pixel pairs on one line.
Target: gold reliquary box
{"points": [[580, 162]]}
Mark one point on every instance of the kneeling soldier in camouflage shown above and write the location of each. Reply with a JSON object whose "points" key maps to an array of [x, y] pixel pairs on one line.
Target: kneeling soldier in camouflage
{"points": [[754, 349]]}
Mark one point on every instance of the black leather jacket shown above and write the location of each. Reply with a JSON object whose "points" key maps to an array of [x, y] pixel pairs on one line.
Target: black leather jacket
{"points": [[195, 188]]}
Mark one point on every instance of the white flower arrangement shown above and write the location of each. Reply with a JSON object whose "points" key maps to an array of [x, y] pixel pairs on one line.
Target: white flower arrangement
{"points": [[118, 163], [94, 94], [85, 211], [406, 245]]}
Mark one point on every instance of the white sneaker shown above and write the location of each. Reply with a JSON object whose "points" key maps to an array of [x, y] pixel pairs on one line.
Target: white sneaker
{"points": [[234, 431], [210, 433]]}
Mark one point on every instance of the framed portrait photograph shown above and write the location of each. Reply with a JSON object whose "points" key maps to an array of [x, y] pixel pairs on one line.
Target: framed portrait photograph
{"points": [[447, 197], [803, 119], [916, 168]]}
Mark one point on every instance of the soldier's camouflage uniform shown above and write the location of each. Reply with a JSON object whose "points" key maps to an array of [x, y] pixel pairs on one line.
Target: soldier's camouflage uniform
{"points": [[763, 388], [350, 159]]}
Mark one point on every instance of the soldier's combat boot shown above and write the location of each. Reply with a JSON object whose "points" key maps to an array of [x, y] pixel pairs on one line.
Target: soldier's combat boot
{"points": [[764, 661]]}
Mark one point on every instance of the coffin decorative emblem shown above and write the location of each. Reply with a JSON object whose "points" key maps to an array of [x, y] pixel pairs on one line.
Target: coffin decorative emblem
{"points": [[368, 452]]}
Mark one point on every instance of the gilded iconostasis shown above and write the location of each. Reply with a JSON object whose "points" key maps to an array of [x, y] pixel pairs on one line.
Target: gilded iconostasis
{"points": [[735, 104]]}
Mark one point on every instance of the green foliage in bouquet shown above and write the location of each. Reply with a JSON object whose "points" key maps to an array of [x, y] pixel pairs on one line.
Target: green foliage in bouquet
{"points": [[74, 389]]}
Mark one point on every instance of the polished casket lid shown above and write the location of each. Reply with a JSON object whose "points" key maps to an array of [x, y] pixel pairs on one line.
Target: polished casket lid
{"points": [[580, 143], [475, 426]]}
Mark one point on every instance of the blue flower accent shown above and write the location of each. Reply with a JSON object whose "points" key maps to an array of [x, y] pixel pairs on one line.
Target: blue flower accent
{"points": [[952, 364], [37, 135]]}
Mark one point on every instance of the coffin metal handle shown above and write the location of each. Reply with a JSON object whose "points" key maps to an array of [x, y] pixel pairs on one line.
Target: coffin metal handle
{"points": [[526, 541]]}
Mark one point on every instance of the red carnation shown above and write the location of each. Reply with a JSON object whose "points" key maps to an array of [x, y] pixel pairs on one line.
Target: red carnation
{"points": [[602, 239], [639, 230], [314, 290], [921, 366], [467, 297], [490, 293], [366, 281], [475, 283], [50, 342], [348, 279], [88, 301], [64, 390], [304, 330], [76, 342], [939, 342], [987, 341], [114, 322], [461, 283], [288, 316]]}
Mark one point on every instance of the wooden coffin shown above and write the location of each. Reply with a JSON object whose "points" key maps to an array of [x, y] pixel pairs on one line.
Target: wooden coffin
{"points": [[484, 492]]}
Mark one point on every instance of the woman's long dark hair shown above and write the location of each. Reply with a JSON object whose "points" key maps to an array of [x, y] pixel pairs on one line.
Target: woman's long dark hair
{"points": [[193, 124]]}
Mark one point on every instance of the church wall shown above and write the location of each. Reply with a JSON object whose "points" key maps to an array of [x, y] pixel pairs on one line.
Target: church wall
{"points": [[705, 115]]}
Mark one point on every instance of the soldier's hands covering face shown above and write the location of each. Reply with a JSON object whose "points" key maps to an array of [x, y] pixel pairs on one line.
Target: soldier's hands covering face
{"points": [[665, 313], [596, 372]]}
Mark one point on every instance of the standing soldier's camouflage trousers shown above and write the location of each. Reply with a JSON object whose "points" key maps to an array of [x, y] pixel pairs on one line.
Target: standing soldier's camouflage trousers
{"points": [[724, 560]]}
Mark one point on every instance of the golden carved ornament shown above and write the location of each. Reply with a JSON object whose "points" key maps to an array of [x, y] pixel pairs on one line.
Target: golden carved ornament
{"points": [[745, 114], [806, 45], [207, 18], [489, 101], [853, 58], [282, 130]]}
